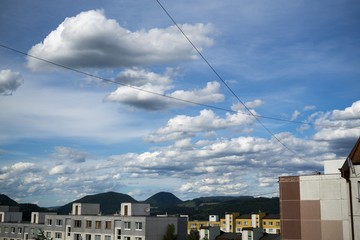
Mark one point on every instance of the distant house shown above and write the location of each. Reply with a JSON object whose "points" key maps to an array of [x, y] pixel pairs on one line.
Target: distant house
{"points": [[323, 206]]}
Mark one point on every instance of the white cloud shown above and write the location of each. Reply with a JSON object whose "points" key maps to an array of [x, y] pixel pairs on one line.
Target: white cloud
{"points": [[9, 81], [149, 90], [140, 77], [349, 113], [309, 108], [91, 40], [339, 124], [61, 169], [183, 126]]}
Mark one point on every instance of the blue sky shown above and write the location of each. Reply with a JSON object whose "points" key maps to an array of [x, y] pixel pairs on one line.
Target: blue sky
{"points": [[65, 134]]}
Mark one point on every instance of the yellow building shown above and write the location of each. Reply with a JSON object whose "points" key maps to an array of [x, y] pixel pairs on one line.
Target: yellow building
{"points": [[196, 225], [271, 224], [235, 222]]}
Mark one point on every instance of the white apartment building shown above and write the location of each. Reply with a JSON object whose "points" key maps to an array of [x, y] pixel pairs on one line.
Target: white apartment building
{"points": [[86, 223]]}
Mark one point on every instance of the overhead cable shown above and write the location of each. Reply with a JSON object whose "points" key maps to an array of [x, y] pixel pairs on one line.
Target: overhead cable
{"points": [[249, 113], [223, 81]]}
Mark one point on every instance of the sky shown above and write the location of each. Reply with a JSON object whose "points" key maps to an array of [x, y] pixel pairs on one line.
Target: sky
{"points": [[100, 96]]}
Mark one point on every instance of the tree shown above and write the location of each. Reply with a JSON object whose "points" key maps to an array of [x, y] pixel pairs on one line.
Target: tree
{"points": [[193, 235], [170, 232], [41, 235]]}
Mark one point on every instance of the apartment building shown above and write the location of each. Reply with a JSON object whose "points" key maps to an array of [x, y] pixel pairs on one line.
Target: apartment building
{"points": [[86, 223], [236, 222], [323, 206], [271, 223]]}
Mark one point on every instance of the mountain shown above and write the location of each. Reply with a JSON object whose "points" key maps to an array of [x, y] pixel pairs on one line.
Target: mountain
{"points": [[109, 202], [165, 202], [25, 208], [163, 199], [5, 200]]}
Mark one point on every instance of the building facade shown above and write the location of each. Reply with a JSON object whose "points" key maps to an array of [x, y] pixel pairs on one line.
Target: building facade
{"points": [[86, 223], [323, 206]]}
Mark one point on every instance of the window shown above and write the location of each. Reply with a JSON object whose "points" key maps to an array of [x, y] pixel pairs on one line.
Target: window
{"points": [[87, 236], [97, 224], [49, 222], [138, 226], [69, 231], [12, 229], [246, 223], [97, 237], [271, 230], [264, 223], [270, 223], [138, 238], [277, 224], [77, 236], [107, 237], [239, 223], [77, 223], [88, 224], [58, 235], [107, 224], [48, 235], [59, 222], [19, 230], [118, 234], [127, 225], [126, 238]]}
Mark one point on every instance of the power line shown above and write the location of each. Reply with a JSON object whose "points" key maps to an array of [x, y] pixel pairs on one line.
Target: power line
{"points": [[167, 96], [222, 80]]}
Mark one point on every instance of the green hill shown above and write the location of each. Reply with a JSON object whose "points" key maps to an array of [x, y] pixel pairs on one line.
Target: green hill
{"points": [[165, 202], [163, 199], [109, 202], [5, 200]]}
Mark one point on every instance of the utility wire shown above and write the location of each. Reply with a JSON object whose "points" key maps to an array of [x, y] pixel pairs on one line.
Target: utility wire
{"points": [[222, 80], [167, 96]]}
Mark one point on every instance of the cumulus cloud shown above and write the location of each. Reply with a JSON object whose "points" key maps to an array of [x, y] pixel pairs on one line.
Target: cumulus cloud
{"points": [[183, 126], [339, 125], [22, 178], [227, 165], [150, 91], [252, 104], [89, 39], [9, 81], [61, 169]]}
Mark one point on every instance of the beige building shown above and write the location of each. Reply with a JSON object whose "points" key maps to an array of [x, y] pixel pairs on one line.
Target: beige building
{"points": [[323, 206]]}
